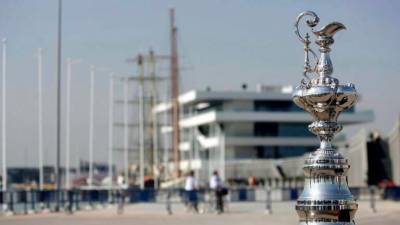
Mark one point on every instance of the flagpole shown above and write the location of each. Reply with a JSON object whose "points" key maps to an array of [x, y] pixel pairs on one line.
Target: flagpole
{"points": [[40, 117], [110, 128], [91, 114], [3, 123]]}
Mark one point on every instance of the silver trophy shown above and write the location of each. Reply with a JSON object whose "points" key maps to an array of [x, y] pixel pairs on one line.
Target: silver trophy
{"points": [[326, 198]]}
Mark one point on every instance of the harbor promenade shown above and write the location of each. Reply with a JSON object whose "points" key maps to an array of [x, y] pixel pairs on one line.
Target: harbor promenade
{"points": [[388, 213]]}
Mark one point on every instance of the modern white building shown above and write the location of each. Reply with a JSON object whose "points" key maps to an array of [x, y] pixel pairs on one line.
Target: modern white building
{"points": [[245, 133], [356, 151], [394, 149]]}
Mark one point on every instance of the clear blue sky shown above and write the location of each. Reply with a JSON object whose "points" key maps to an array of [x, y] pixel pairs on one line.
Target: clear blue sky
{"points": [[225, 43]]}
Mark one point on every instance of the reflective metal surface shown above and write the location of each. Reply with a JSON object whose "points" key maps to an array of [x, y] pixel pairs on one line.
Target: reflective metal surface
{"points": [[326, 198]]}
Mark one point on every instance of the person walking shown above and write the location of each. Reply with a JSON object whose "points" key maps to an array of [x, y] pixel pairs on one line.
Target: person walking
{"points": [[70, 194], [217, 186], [191, 191], [121, 201], [121, 194]]}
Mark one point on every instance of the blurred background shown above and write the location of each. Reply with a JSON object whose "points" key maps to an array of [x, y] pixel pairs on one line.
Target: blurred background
{"points": [[153, 89]]}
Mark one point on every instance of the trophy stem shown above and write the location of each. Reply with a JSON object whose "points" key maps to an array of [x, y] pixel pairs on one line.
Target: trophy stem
{"points": [[325, 144]]}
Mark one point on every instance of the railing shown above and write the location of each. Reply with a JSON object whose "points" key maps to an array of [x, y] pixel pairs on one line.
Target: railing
{"points": [[35, 201], [31, 201]]}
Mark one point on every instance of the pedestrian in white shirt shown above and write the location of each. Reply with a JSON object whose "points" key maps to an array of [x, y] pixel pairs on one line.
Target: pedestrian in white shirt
{"points": [[190, 182], [215, 181], [191, 191]]}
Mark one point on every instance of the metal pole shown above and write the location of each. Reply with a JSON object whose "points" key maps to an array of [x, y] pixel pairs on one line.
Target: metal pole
{"points": [[91, 112], [210, 161], [155, 149], [40, 118], [70, 62], [168, 202], [58, 161], [3, 123], [67, 126], [126, 133], [222, 138], [196, 151], [372, 198], [175, 92], [110, 128], [191, 137], [268, 206], [155, 119], [141, 137], [166, 143]]}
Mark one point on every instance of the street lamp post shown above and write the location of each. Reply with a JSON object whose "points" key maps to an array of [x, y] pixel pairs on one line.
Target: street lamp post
{"points": [[326, 198]]}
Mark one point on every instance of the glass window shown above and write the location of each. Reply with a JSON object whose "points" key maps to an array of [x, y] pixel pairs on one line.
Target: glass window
{"points": [[268, 129], [267, 152], [276, 152], [204, 130], [292, 151], [276, 106], [282, 106], [294, 130], [208, 106]]}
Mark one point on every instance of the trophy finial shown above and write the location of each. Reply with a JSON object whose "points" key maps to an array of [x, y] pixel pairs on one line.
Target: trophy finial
{"points": [[324, 39]]}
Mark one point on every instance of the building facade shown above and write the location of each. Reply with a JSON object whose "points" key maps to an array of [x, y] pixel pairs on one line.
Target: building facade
{"points": [[370, 157], [394, 149], [245, 133]]}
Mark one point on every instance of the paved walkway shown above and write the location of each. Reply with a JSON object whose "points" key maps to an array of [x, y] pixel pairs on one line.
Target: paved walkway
{"points": [[239, 214]]}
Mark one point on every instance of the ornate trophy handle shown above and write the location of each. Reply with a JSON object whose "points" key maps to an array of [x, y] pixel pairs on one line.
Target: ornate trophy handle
{"points": [[311, 23], [306, 41]]}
